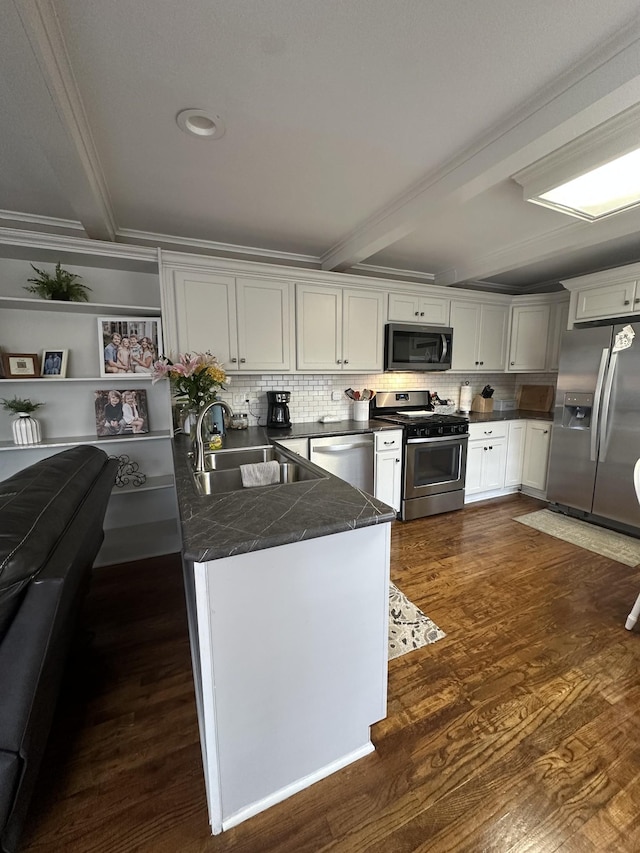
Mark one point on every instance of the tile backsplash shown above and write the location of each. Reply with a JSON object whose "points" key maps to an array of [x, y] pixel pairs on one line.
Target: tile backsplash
{"points": [[312, 394]]}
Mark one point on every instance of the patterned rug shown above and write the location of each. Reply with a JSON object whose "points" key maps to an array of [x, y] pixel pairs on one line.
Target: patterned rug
{"points": [[409, 628], [607, 543]]}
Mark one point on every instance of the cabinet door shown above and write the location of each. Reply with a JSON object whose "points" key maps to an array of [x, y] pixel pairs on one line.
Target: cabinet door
{"points": [[318, 328], [529, 334], [610, 300], [492, 337], [536, 455], [205, 306], [473, 478], [264, 324], [409, 308], [363, 328], [387, 486], [493, 465], [515, 453], [465, 320]]}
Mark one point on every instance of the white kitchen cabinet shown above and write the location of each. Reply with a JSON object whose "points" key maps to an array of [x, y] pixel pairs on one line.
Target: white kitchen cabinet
{"points": [[388, 467], [141, 521], [486, 457], [515, 453], [245, 322], [411, 308], [608, 301], [529, 335], [339, 329], [536, 455], [479, 335]]}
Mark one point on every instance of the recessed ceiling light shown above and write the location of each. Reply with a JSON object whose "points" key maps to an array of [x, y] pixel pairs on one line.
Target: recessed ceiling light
{"points": [[593, 176], [201, 123]]}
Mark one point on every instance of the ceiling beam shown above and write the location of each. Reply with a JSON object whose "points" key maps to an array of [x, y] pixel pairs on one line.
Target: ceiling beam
{"points": [[39, 91], [605, 84]]}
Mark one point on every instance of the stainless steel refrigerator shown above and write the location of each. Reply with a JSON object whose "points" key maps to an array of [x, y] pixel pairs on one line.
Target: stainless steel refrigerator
{"points": [[595, 440]]}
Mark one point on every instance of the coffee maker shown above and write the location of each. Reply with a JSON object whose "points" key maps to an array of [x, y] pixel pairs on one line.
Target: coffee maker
{"points": [[278, 411]]}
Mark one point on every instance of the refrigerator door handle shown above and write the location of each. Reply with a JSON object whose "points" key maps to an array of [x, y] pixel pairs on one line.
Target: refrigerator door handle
{"points": [[595, 426], [606, 400]]}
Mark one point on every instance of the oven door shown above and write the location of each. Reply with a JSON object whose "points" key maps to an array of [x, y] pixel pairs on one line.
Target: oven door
{"points": [[434, 465]]}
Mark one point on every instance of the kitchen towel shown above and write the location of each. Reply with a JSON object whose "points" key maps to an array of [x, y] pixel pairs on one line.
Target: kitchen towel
{"points": [[260, 474]]}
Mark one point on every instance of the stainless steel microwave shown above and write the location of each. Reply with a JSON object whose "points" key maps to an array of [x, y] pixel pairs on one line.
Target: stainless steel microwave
{"points": [[408, 347]]}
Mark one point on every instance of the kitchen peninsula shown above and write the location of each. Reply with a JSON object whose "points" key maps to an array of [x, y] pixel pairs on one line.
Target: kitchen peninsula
{"points": [[287, 599]]}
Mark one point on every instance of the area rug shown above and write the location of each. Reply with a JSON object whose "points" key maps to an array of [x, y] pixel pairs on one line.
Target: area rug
{"points": [[409, 628], [607, 543]]}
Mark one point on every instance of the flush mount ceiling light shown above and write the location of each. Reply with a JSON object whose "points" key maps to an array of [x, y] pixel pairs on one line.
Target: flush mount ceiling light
{"points": [[593, 176], [200, 123]]}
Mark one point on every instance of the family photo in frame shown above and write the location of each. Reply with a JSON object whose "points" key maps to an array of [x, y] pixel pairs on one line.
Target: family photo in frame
{"points": [[54, 363], [129, 346], [121, 412]]}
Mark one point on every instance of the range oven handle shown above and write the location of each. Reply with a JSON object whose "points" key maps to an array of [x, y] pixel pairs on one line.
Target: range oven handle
{"points": [[448, 438]]}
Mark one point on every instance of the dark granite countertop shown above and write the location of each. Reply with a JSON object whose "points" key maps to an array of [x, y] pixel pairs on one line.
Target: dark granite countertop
{"points": [[264, 517], [315, 429], [509, 415]]}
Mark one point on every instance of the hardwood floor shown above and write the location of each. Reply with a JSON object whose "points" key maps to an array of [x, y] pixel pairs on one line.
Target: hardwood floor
{"points": [[519, 731]]}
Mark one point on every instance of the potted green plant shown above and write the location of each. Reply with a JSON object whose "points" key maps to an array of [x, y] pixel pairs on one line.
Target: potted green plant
{"points": [[26, 430], [63, 286]]}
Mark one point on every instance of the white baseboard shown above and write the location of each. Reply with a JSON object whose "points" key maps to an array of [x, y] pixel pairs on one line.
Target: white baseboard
{"points": [[495, 493], [299, 785]]}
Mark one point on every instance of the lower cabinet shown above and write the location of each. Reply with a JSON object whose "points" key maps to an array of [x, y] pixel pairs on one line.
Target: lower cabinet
{"points": [[388, 467], [486, 457], [536, 455], [297, 445], [504, 456]]}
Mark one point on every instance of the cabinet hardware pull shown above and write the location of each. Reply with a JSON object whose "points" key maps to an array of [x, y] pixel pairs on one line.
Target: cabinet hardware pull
{"points": [[488, 432], [397, 460], [545, 431], [626, 302], [416, 313], [422, 313], [482, 362], [637, 299], [242, 360], [234, 359], [346, 361], [477, 362], [339, 361], [512, 363]]}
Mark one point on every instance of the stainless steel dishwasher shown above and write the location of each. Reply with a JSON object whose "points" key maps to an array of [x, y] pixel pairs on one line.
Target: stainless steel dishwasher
{"points": [[349, 457]]}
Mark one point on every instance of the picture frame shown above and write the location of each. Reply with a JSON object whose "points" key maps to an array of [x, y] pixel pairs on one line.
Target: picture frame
{"points": [[135, 358], [53, 363], [20, 365], [121, 412]]}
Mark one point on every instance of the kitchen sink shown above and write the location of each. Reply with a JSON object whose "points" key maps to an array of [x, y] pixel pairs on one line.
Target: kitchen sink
{"points": [[223, 469]]}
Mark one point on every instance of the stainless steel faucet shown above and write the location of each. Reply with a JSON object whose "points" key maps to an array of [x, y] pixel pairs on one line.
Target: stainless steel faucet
{"points": [[199, 456]]}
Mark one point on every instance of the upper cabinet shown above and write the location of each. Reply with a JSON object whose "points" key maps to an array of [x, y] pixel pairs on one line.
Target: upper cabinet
{"points": [[245, 322], [529, 335], [607, 295], [410, 308], [607, 301], [479, 335], [339, 329]]}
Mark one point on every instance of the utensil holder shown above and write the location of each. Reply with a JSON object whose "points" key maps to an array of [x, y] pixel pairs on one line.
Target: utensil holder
{"points": [[360, 410]]}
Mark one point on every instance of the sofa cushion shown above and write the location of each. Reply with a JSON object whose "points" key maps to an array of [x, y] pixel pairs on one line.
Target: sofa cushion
{"points": [[9, 771], [36, 506]]}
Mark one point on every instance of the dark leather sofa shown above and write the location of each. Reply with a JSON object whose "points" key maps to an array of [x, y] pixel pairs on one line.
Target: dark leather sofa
{"points": [[51, 517]]}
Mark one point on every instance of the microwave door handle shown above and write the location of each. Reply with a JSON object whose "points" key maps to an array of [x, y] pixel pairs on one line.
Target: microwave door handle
{"points": [[595, 426], [606, 402], [444, 348]]}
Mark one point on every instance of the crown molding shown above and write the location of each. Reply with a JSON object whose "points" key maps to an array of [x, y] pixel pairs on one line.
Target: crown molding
{"points": [[214, 247], [394, 272], [42, 221], [78, 245], [84, 181]]}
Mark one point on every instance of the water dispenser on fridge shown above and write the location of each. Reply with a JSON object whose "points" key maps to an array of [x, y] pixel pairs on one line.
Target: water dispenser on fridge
{"points": [[577, 410]]}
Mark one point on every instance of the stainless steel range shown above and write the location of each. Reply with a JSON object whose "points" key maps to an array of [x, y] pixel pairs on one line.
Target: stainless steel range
{"points": [[435, 452]]}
